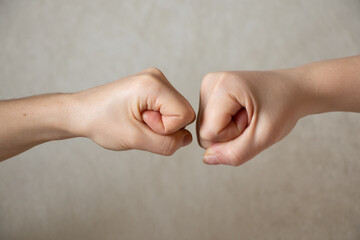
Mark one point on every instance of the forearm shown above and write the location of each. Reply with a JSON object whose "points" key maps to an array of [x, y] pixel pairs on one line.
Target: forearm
{"points": [[27, 122], [328, 86], [142, 111]]}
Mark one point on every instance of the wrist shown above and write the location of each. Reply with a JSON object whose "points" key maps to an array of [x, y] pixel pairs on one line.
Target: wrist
{"points": [[315, 90], [331, 85], [70, 116], [300, 91], [58, 117]]}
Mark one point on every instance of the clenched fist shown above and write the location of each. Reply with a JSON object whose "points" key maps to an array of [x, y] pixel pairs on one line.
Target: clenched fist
{"points": [[143, 111], [242, 113]]}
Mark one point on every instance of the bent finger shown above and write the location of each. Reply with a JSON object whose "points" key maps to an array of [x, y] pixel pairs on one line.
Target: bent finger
{"points": [[164, 145]]}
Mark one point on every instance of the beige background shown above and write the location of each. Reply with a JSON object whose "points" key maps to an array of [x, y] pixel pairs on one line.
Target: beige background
{"points": [[306, 187]]}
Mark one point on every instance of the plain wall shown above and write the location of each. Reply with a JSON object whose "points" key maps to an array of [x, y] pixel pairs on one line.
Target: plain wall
{"points": [[305, 187]]}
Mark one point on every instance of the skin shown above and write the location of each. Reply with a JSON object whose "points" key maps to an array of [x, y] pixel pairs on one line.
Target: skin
{"points": [[240, 113], [142, 111], [243, 113]]}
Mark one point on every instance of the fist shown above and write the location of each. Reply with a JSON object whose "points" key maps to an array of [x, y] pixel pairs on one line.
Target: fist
{"points": [[242, 113], [142, 111]]}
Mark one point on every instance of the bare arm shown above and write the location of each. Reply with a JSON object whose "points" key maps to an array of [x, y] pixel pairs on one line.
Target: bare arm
{"points": [[27, 122], [142, 112], [242, 113], [335, 84]]}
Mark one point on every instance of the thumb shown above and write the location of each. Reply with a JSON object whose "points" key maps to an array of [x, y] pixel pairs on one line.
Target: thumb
{"points": [[166, 111], [234, 152], [165, 145]]}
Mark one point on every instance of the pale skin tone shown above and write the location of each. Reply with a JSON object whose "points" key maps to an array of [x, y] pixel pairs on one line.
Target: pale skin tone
{"points": [[240, 113], [142, 112], [243, 113]]}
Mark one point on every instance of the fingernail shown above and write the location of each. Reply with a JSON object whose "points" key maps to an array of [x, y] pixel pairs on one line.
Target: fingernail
{"points": [[187, 139], [211, 158]]}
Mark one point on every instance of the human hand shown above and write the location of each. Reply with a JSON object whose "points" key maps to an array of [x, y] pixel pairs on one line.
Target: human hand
{"points": [[243, 113], [240, 113], [143, 111]]}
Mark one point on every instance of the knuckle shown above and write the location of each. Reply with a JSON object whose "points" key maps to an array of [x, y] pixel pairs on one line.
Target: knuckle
{"points": [[149, 77], [185, 113], [168, 146], [223, 79], [213, 82], [154, 70], [233, 157], [148, 80], [192, 116], [205, 144], [188, 115], [210, 76], [207, 134], [207, 79], [201, 143]]}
